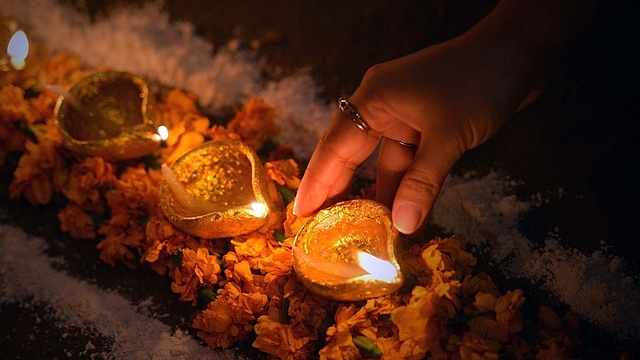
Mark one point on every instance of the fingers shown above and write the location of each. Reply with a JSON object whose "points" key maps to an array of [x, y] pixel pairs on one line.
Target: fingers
{"points": [[330, 171], [421, 184], [393, 161]]}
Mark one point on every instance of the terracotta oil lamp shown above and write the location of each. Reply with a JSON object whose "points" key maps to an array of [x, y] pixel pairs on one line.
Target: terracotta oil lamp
{"points": [[216, 190], [108, 114], [347, 252]]}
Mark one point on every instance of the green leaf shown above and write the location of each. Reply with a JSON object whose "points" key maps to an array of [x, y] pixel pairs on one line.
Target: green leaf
{"points": [[367, 347], [206, 295], [26, 129], [288, 195], [279, 236], [177, 259], [284, 316]]}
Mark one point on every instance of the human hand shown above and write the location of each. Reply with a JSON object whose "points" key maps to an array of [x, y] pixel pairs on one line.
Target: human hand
{"points": [[447, 99]]}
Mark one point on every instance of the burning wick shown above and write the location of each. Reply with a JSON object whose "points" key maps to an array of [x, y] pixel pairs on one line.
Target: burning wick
{"points": [[161, 135], [18, 49], [198, 206], [365, 265]]}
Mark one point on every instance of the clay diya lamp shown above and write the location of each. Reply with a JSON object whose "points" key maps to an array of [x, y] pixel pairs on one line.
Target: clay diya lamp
{"points": [[216, 190], [347, 252], [108, 114]]}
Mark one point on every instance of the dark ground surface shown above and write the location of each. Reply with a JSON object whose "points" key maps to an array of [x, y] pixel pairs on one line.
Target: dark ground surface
{"points": [[581, 135]]}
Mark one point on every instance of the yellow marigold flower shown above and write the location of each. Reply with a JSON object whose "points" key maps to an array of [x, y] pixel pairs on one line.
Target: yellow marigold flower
{"points": [[293, 223], [255, 123], [416, 323], [280, 340], [488, 328], [284, 172], [473, 347], [76, 222], [197, 269]]}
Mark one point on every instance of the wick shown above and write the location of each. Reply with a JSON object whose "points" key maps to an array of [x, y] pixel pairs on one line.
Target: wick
{"points": [[186, 199], [72, 100], [340, 269]]}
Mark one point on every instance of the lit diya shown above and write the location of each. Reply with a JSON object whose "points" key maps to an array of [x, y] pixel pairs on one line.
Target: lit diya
{"points": [[347, 252], [216, 190], [107, 114]]}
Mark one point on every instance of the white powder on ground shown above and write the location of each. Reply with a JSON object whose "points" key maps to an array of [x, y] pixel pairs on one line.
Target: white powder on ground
{"points": [[483, 210], [595, 286], [28, 275]]}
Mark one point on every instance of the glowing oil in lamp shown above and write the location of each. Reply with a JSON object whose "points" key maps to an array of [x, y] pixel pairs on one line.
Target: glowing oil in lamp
{"points": [[347, 252], [14, 45], [216, 190], [107, 114]]}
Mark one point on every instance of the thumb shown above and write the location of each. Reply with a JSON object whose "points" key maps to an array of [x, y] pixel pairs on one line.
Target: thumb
{"points": [[420, 187]]}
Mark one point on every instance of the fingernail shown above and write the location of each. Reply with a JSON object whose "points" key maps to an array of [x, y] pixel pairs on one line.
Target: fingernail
{"points": [[407, 218]]}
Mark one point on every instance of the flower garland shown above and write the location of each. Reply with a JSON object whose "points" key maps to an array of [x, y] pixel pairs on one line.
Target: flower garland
{"points": [[246, 285]]}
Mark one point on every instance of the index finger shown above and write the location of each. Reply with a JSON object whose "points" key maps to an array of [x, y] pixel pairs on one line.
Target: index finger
{"points": [[328, 176]]}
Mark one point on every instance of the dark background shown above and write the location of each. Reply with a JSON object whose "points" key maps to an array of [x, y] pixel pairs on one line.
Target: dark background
{"points": [[581, 135]]}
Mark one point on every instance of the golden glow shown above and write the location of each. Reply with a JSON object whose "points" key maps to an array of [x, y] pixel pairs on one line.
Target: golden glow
{"points": [[163, 133], [18, 49], [377, 268], [258, 209]]}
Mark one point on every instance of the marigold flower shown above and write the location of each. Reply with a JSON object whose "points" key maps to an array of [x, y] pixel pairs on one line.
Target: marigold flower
{"points": [[255, 123], [280, 340], [76, 222], [284, 172], [33, 178], [197, 269], [473, 347], [164, 240], [85, 181], [293, 223], [218, 132], [230, 316], [507, 309]]}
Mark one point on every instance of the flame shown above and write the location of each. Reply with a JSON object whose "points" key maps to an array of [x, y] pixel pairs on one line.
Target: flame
{"points": [[378, 269], [162, 133], [258, 209], [18, 49]]}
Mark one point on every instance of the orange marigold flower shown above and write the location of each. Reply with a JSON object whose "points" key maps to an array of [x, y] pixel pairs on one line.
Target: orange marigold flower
{"points": [[293, 223], [122, 234], [507, 309], [417, 328], [164, 240], [339, 339], [218, 132], [280, 340], [230, 316], [85, 180], [76, 222], [284, 172], [33, 177], [473, 347], [255, 123], [197, 269]]}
